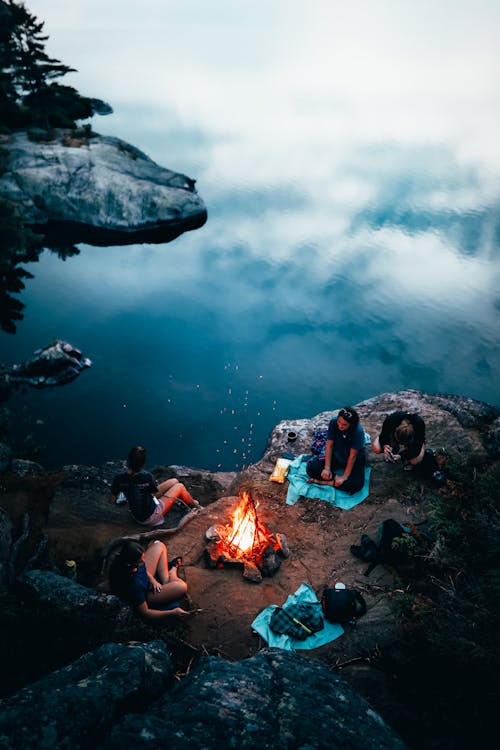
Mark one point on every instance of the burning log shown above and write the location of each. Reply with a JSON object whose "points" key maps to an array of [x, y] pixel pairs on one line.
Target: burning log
{"points": [[246, 541]]}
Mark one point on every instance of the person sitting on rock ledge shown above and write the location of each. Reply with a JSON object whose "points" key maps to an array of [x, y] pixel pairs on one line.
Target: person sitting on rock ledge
{"points": [[149, 501], [145, 580], [402, 438], [345, 449]]}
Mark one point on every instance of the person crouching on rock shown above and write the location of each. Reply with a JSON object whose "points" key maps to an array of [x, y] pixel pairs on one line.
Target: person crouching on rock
{"points": [[145, 580], [402, 438], [148, 501], [345, 449]]}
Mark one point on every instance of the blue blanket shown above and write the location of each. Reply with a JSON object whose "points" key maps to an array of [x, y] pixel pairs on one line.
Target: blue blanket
{"points": [[300, 487], [303, 594]]}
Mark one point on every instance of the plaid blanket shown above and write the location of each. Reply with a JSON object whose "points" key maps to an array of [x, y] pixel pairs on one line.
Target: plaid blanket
{"points": [[297, 620]]}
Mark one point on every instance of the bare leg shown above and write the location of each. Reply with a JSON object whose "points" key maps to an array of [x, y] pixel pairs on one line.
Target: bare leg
{"points": [[156, 560], [172, 490], [376, 447], [173, 587]]}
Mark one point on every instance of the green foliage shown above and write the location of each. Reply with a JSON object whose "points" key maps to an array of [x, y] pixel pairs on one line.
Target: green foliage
{"points": [[405, 545], [29, 95], [18, 244], [30, 98], [450, 614]]}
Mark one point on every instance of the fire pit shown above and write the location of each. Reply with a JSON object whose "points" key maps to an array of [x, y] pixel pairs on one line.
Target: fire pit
{"points": [[246, 541]]}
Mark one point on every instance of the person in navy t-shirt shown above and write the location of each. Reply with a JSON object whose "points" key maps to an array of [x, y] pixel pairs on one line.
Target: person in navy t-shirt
{"points": [[149, 501], [345, 451], [144, 579]]}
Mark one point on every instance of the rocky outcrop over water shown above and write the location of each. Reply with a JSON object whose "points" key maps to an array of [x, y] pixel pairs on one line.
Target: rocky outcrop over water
{"points": [[96, 189], [122, 696]]}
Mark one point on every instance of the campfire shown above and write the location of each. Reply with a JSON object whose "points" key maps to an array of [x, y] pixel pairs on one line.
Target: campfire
{"points": [[246, 541]]}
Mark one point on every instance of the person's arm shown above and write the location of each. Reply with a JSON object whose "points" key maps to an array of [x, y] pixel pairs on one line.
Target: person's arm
{"points": [[327, 471], [159, 614], [348, 468]]}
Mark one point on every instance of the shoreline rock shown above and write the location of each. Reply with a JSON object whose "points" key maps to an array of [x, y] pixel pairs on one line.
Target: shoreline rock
{"points": [[96, 189]]}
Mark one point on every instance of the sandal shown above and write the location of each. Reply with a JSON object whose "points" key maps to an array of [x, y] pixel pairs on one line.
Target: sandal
{"points": [[175, 562]]}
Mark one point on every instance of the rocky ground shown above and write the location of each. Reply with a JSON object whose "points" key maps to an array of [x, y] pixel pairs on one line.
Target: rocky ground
{"points": [[71, 509]]}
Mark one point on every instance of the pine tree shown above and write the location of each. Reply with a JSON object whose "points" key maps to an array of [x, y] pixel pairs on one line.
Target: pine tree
{"points": [[28, 91]]}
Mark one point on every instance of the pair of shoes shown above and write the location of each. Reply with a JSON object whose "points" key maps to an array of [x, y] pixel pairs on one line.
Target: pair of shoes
{"points": [[175, 562]]}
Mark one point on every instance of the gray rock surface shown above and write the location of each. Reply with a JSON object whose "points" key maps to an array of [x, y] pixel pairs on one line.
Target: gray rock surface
{"points": [[466, 427], [74, 706], [56, 364], [276, 699], [100, 189], [120, 696]]}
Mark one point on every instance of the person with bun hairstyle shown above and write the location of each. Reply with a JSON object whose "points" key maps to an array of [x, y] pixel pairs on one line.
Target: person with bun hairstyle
{"points": [[145, 580], [402, 438], [345, 450]]}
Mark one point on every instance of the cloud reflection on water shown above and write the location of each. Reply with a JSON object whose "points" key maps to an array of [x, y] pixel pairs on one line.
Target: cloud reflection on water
{"points": [[349, 159]]}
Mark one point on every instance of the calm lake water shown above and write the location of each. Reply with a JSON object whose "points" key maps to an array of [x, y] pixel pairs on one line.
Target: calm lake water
{"points": [[349, 159]]}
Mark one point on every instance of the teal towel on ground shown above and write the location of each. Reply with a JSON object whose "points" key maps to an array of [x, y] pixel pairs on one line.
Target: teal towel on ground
{"points": [[299, 487], [304, 594]]}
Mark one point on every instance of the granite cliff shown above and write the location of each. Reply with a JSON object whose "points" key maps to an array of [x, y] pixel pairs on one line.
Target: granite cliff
{"points": [[77, 186]]}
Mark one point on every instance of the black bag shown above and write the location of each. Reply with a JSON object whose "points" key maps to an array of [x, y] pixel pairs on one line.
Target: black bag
{"points": [[367, 551], [342, 605], [396, 546], [297, 620]]}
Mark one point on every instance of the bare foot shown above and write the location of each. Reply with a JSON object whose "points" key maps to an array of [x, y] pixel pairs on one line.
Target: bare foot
{"points": [[330, 482]]}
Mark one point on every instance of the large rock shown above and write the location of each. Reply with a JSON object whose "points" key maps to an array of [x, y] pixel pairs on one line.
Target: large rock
{"points": [[118, 696], [97, 189], [273, 700], [467, 428], [75, 705], [56, 364]]}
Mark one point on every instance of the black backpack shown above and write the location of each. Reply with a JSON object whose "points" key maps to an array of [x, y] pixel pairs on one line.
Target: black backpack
{"points": [[342, 605], [396, 545]]}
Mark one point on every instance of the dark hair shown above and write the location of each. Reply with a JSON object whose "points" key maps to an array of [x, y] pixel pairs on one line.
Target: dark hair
{"points": [[350, 415], [136, 458], [122, 565]]}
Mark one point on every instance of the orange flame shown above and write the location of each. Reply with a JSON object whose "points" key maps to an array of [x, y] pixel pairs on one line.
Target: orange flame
{"points": [[242, 530]]}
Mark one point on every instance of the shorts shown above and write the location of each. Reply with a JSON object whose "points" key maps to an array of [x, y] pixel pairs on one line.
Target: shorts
{"points": [[157, 516]]}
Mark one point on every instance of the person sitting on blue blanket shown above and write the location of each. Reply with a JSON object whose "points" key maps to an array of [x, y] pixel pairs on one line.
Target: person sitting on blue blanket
{"points": [[345, 449]]}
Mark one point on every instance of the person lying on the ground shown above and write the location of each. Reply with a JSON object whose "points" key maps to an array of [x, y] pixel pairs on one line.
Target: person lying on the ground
{"points": [[402, 438], [145, 580], [345, 449], [148, 501]]}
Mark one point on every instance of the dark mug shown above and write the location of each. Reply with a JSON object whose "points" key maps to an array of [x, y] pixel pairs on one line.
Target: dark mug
{"points": [[292, 436]]}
